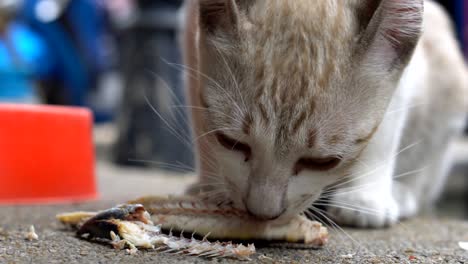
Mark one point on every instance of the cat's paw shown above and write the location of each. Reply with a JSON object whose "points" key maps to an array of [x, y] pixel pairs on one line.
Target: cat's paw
{"points": [[407, 203], [364, 209]]}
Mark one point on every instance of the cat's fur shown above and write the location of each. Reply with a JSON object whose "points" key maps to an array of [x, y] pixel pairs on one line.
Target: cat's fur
{"points": [[354, 79]]}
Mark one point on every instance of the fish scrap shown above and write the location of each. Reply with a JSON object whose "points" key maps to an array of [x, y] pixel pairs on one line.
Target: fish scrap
{"points": [[140, 224]]}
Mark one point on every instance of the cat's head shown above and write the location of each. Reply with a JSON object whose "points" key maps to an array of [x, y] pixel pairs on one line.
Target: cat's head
{"points": [[296, 89]]}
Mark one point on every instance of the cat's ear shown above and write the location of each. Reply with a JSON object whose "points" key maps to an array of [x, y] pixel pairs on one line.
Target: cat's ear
{"points": [[390, 30], [218, 15]]}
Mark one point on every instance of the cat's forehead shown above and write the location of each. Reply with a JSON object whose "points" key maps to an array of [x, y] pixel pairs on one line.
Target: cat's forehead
{"points": [[315, 28], [314, 16], [296, 47], [297, 53]]}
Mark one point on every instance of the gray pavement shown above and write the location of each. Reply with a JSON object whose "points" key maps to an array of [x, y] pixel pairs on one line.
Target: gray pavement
{"points": [[415, 241], [423, 240]]}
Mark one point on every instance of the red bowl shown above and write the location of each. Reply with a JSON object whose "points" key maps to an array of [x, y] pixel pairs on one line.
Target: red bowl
{"points": [[46, 155]]}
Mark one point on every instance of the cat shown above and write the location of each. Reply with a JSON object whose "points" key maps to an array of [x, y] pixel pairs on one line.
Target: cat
{"points": [[354, 104]]}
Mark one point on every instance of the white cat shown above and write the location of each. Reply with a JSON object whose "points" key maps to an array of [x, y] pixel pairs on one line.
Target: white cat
{"points": [[354, 101]]}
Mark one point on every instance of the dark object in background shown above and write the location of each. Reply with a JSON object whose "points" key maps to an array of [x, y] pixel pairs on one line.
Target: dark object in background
{"points": [[147, 48], [458, 10], [73, 31]]}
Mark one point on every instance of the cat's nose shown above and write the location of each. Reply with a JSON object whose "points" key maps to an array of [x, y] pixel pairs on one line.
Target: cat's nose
{"points": [[265, 204]]}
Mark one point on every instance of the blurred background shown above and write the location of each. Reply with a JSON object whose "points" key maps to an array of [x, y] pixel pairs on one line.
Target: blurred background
{"points": [[117, 57], [121, 59]]}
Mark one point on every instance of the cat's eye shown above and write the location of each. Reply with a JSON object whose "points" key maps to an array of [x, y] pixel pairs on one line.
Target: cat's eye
{"points": [[234, 145], [316, 164]]}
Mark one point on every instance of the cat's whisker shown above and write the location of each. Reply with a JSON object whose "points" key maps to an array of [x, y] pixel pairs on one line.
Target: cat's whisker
{"points": [[363, 210], [215, 183], [182, 115], [380, 166], [169, 126], [200, 185], [355, 207], [363, 163], [184, 169], [351, 208], [233, 77], [179, 163], [323, 214], [352, 177], [214, 195], [410, 146], [205, 109], [174, 132], [210, 161], [405, 108], [192, 73], [311, 214], [213, 192], [233, 187], [352, 189], [212, 132], [171, 129], [212, 180], [410, 173]]}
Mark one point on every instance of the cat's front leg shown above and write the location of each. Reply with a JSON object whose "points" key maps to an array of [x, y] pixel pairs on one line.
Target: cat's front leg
{"points": [[366, 198], [373, 201], [366, 201]]}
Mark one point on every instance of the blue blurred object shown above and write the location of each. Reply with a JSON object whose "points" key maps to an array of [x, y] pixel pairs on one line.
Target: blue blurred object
{"points": [[74, 32], [23, 60]]}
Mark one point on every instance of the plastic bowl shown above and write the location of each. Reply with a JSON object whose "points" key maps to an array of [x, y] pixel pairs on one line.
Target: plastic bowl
{"points": [[46, 155]]}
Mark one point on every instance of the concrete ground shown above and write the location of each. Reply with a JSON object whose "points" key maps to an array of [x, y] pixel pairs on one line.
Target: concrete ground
{"points": [[422, 240]]}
